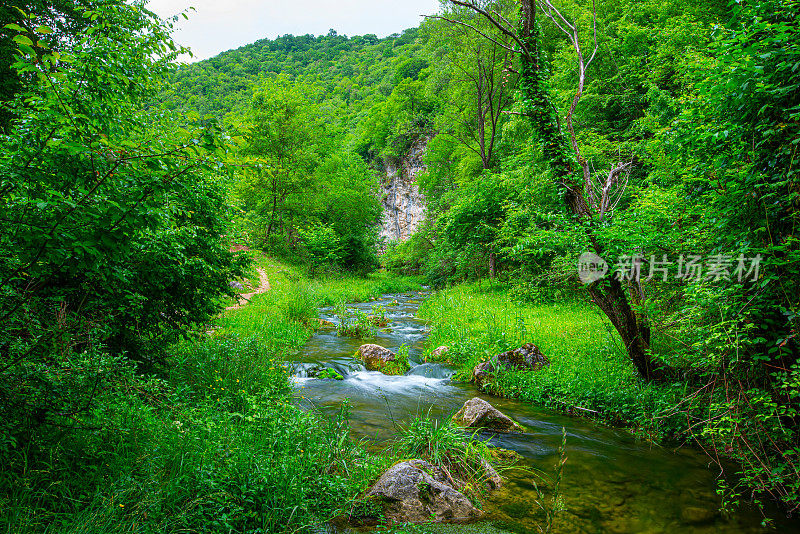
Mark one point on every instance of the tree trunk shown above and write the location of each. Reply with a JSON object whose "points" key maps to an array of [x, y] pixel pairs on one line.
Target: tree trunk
{"points": [[608, 295]]}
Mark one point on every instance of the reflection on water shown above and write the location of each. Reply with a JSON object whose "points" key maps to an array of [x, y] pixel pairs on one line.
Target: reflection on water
{"points": [[612, 482]]}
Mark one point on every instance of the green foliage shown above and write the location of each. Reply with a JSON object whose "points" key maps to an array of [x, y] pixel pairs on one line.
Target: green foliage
{"points": [[588, 368], [445, 444], [216, 442], [354, 322], [297, 196], [323, 246], [110, 239]]}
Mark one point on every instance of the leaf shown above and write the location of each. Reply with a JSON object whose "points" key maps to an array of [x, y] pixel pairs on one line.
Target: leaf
{"points": [[15, 27], [44, 29], [22, 40], [25, 49]]}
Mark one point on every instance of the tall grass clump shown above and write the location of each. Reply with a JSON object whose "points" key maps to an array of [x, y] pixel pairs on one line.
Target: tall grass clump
{"points": [[354, 322], [442, 443], [217, 445]]}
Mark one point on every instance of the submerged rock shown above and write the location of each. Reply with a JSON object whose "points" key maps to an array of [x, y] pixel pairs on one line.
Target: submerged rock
{"points": [[477, 413], [526, 358], [491, 476], [415, 491], [695, 515]]}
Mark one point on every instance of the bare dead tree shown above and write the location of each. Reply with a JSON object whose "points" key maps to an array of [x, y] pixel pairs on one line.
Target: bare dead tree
{"points": [[485, 69], [589, 198]]}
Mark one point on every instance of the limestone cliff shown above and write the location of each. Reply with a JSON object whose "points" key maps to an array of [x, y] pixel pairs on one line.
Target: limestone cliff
{"points": [[403, 203]]}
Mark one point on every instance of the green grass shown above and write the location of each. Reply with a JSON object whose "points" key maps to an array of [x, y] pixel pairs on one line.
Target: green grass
{"points": [[295, 299], [213, 444], [445, 444], [588, 366]]}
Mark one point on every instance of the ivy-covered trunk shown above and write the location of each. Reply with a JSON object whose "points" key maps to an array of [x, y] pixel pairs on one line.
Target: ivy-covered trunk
{"points": [[609, 295]]}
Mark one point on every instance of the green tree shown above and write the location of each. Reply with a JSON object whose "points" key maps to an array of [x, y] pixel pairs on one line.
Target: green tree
{"points": [[280, 143], [111, 220]]}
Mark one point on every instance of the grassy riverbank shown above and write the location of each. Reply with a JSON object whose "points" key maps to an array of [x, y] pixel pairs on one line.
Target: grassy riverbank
{"points": [[589, 375], [212, 442]]}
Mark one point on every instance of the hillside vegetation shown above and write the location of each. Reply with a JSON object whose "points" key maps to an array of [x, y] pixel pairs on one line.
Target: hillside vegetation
{"points": [[660, 137]]}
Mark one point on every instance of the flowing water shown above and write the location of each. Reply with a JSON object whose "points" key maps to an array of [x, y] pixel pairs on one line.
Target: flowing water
{"points": [[612, 482]]}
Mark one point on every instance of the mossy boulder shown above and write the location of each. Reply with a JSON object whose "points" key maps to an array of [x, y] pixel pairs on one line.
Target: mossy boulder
{"points": [[479, 414], [416, 491], [526, 358], [330, 373], [377, 358], [482, 374]]}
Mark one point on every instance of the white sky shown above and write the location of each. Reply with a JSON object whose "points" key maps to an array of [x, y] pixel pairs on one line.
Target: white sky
{"points": [[219, 25]]}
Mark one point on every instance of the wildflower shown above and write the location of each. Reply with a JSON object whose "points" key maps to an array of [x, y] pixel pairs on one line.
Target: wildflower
{"points": [[122, 506]]}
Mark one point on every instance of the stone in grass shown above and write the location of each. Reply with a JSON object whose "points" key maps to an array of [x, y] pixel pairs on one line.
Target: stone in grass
{"points": [[440, 351], [479, 414], [377, 358], [415, 491], [482, 374], [526, 358]]}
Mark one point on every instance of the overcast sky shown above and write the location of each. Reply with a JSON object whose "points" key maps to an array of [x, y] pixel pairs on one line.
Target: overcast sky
{"points": [[219, 25]]}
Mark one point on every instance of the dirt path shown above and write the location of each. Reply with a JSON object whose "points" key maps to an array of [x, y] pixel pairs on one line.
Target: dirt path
{"points": [[263, 287]]}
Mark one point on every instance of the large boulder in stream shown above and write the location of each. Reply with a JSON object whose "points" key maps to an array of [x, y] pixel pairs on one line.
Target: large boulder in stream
{"points": [[377, 358], [415, 491], [479, 414]]}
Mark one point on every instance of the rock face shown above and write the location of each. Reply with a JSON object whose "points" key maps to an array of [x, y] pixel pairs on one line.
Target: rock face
{"points": [[375, 357], [403, 203], [477, 413], [527, 357], [416, 491]]}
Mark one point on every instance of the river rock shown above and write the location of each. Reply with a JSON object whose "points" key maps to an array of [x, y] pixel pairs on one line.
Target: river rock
{"points": [[477, 413], [526, 358], [440, 351], [481, 375], [695, 515], [375, 357], [415, 491]]}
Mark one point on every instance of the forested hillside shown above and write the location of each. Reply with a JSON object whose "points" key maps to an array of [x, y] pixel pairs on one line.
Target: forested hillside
{"points": [[610, 187], [660, 136]]}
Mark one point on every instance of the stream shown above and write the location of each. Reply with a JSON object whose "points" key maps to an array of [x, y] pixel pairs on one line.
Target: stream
{"points": [[613, 483]]}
